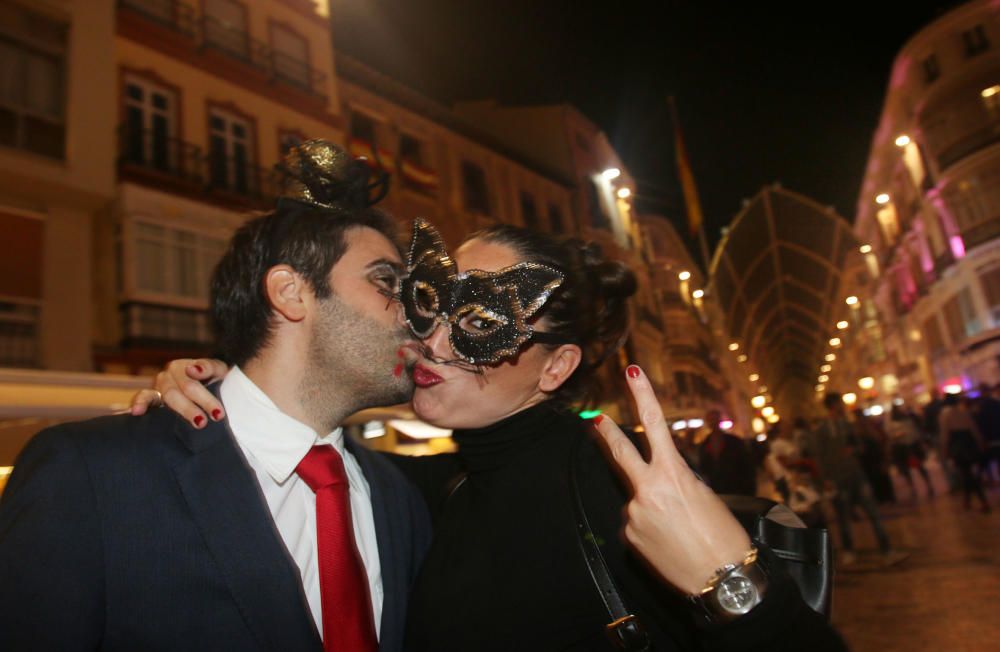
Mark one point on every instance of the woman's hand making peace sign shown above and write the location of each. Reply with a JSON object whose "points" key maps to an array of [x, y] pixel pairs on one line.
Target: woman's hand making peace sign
{"points": [[674, 521]]}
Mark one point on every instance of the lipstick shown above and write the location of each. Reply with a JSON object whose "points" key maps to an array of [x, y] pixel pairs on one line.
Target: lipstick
{"points": [[424, 377]]}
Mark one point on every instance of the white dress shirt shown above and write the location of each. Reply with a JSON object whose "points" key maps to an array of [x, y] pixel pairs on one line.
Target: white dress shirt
{"points": [[274, 444]]}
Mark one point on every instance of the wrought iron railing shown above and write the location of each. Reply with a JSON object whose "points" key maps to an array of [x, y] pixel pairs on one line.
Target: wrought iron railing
{"points": [[234, 41], [149, 151], [169, 13], [296, 72], [241, 177], [207, 31], [155, 151]]}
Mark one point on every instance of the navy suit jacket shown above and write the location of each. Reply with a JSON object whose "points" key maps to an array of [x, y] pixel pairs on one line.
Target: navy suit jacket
{"points": [[142, 533]]}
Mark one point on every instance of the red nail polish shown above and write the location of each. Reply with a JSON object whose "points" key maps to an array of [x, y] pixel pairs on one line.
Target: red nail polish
{"points": [[632, 371], [216, 414], [198, 368], [598, 419], [398, 370], [198, 420]]}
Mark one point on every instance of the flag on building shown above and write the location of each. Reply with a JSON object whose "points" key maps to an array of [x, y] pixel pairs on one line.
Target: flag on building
{"points": [[687, 180]]}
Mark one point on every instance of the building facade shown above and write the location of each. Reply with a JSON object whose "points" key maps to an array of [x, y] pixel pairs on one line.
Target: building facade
{"points": [[57, 108], [928, 216]]}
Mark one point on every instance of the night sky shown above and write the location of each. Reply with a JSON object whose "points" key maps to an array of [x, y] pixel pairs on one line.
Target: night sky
{"points": [[766, 92]]}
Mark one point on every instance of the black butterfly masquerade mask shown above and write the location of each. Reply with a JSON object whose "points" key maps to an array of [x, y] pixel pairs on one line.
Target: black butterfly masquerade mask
{"points": [[485, 313]]}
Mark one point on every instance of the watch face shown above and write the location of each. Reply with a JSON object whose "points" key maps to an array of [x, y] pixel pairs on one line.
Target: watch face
{"points": [[737, 594]]}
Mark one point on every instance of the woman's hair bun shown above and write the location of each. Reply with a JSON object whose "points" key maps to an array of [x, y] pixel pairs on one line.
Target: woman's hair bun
{"points": [[616, 279], [611, 279]]}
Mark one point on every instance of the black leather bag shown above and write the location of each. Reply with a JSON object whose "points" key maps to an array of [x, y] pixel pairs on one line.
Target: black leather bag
{"points": [[805, 553]]}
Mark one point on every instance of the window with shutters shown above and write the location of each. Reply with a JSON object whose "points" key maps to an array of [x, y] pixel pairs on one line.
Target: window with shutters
{"points": [[32, 81]]}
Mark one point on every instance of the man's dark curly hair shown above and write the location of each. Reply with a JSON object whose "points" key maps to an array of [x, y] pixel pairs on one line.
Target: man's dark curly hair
{"points": [[310, 239]]}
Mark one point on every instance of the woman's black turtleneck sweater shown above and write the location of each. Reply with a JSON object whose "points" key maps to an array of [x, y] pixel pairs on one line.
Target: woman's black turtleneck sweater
{"points": [[505, 571]]}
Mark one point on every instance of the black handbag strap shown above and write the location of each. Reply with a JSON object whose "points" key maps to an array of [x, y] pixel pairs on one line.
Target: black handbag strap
{"points": [[624, 627]]}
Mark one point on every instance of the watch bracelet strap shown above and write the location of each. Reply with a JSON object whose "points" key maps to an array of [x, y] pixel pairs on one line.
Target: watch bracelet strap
{"points": [[624, 628], [724, 570]]}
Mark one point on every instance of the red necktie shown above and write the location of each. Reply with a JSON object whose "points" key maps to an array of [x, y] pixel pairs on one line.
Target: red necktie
{"points": [[348, 622]]}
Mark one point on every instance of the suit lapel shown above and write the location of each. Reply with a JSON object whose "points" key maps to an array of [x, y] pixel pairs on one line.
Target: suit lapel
{"points": [[226, 504], [383, 511]]}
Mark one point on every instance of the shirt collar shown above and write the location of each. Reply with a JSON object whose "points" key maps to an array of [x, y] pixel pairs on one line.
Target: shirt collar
{"points": [[276, 440]]}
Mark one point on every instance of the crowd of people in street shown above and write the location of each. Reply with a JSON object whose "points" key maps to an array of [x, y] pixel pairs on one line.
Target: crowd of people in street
{"points": [[842, 464]]}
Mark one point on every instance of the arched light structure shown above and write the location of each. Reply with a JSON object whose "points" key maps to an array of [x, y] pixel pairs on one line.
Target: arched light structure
{"points": [[777, 275]]}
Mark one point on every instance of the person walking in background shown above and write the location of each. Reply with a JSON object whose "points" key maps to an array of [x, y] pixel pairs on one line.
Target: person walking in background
{"points": [[986, 412], [832, 445], [725, 461], [905, 448], [962, 443], [931, 414], [871, 446], [930, 417]]}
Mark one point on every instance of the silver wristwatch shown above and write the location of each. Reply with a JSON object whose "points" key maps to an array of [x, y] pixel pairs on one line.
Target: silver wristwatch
{"points": [[733, 590]]}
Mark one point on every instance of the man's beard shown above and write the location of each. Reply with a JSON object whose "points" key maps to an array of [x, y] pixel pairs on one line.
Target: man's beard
{"points": [[351, 363]]}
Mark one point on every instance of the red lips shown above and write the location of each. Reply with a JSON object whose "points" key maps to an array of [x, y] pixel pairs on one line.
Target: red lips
{"points": [[424, 377]]}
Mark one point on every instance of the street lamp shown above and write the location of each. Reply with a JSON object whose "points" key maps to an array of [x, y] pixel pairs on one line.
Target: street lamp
{"points": [[882, 198], [685, 275], [842, 324], [851, 300], [850, 398], [866, 383], [611, 174], [902, 140], [697, 294], [758, 401], [624, 193]]}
